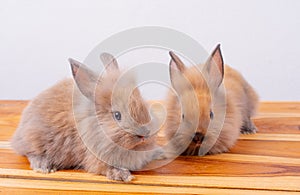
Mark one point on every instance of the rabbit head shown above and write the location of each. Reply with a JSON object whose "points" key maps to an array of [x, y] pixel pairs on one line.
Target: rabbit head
{"points": [[121, 113]]}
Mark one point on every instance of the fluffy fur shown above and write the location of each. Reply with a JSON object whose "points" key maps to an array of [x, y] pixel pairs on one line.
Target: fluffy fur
{"points": [[206, 116], [71, 125]]}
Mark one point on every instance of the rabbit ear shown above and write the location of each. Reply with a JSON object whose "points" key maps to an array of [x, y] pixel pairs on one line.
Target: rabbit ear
{"points": [[85, 78], [175, 62], [214, 67], [109, 62], [176, 68]]}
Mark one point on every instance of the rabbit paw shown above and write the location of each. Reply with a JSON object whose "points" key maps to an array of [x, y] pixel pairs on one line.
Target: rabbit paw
{"points": [[158, 154], [119, 174], [248, 127], [40, 164], [166, 155]]}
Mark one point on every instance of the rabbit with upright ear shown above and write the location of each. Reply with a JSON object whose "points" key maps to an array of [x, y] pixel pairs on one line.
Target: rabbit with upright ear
{"points": [[95, 123], [204, 117]]}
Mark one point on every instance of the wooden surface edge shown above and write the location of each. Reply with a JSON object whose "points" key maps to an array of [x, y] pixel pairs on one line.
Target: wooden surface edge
{"points": [[54, 187], [275, 183]]}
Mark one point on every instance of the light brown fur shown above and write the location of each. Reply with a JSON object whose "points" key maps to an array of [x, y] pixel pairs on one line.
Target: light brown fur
{"points": [[71, 125], [198, 94]]}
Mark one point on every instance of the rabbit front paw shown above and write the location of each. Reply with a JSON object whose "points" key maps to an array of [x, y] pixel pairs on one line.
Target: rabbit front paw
{"points": [[248, 127], [41, 165], [119, 174]]}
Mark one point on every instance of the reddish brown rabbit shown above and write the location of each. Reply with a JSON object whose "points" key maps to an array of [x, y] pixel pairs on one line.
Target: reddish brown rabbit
{"points": [[206, 117], [99, 124]]}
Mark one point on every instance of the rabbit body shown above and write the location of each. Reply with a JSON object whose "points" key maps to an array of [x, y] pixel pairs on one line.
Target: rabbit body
{"points": [[214, 104], [71, 125]]}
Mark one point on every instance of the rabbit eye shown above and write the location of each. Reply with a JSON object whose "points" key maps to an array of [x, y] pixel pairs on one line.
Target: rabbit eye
{"points": [[211, 115], [117, 115], [182, 116]]}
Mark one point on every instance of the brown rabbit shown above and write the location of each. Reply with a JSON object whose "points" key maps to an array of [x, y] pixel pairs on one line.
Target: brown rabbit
{"points": [[205, 117], [98, 124]]}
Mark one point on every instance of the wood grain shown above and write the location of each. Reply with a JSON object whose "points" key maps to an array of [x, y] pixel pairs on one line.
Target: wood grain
{"points": [[267, 148], [279, 107], [166, 181], [47, 186], [264, 163]]}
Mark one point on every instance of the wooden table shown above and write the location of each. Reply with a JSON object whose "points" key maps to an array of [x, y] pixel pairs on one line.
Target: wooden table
{"points": [[266, 163]]}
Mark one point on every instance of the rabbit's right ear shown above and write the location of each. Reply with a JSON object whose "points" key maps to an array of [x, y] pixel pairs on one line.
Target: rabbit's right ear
{"points": [[176, 68], [85, 78], [175, 62], [109, 62], [214, 67]]}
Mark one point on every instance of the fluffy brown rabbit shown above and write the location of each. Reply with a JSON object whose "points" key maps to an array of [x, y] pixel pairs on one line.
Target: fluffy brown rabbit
{"points": [[98, 124], [206, 117]]}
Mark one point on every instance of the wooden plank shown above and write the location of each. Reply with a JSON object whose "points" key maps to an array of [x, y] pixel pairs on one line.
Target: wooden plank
{"points": [[267, 148], [199, 166], [5, 145], [79, 186], [11, 107], [10, 114], [272, 137], [279, 107], [30, 191], [25, 191], [9, 159], [282, 125], [280, 183], [8, 125], [54, 187], [242, 158]]}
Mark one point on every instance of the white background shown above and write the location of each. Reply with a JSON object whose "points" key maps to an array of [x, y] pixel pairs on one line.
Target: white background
{"points": [[260, 38]]}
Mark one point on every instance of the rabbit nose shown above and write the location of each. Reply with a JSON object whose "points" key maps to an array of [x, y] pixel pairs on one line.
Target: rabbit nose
{"points": [[198, 137], [143, 132]]}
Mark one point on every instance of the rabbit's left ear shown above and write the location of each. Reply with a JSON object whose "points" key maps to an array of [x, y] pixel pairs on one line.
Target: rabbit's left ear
{"points": [[175, 62], [85, 79], [214, 67], [109, 62], [176, 69]]}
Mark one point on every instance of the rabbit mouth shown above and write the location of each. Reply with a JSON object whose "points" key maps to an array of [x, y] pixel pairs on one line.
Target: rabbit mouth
{"points": [[142, 138], [191, 151]]}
